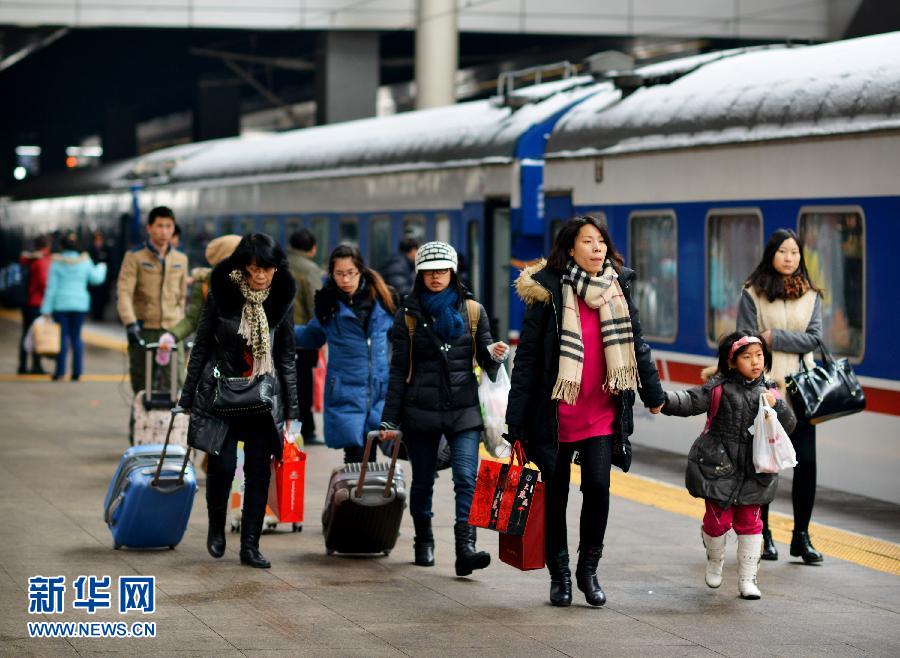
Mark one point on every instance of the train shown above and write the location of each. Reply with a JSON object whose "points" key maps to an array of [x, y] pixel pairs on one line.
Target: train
{"points": [[691, 163]]}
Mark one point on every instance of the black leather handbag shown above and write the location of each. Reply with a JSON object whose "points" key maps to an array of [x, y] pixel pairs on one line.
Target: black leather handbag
{"points": [[827, 391], [243, 396]]}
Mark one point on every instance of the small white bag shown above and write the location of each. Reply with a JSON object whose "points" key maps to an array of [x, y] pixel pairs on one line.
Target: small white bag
{"points": [[772, 449], [493, 397]]}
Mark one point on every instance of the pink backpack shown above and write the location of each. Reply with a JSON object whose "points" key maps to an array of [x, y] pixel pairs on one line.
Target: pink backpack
{"points": [[715, 398]]}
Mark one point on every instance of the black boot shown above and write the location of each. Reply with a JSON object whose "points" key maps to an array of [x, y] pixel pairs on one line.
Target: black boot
{"points": [[586, 574], [769, 552], [251, 528], [215, 536], [560, 578], [802, 547], [423, 544], [467, 559]]}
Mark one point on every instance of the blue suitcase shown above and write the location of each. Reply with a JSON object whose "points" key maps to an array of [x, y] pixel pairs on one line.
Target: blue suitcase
{"points": [[149, 500]]}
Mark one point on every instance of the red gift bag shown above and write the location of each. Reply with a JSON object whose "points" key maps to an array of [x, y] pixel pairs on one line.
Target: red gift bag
{"points": [[503, 494], [288, 482], [526, 551]]}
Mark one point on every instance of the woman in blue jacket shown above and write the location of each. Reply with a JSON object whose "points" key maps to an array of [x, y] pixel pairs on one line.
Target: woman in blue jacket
{"points": [[67, 299], [353, 314]]}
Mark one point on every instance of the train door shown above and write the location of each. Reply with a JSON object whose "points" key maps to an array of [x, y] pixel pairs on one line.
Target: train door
{"points": [[497, 273], [557, 211]]}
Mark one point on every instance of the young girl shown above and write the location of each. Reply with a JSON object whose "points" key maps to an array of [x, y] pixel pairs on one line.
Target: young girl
{"points": [[720, 464]]}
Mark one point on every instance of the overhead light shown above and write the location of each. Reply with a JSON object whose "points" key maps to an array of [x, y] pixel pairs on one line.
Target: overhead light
{"points": [[84, 151], [28, 150], [19, 173]]}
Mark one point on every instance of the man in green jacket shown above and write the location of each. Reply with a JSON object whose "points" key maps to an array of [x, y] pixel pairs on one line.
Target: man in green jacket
{"points": [[308, 276], [151, 290]]}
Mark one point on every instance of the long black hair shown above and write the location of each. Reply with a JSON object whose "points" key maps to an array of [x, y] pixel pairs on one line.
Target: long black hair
{"points": [[765, 279], [565, 240], [726, 358], [261, 249], [377, 287]]}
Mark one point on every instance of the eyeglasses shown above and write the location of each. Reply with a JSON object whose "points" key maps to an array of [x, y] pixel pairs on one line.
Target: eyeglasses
{"points": [[349, 274], [438, 272]]}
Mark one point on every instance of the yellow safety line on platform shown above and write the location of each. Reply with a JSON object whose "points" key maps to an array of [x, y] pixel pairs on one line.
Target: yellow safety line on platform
{"points": [[860, 549], [92, 338]]}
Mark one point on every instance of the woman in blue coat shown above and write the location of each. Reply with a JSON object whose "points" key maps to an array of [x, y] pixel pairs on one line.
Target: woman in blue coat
{"points": [[67, 299], [353, 314]]}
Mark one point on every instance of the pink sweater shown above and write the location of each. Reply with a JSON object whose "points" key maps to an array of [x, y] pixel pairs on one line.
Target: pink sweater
{"points": [[594, 412]]}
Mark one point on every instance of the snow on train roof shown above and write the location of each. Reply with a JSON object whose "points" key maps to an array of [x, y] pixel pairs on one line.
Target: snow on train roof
{"points": [[773, 93], [472, 131]]}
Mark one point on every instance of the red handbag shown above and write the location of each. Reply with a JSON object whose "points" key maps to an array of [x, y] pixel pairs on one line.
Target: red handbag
{"points": [[288, 483], [526, 552], [504, 494]]}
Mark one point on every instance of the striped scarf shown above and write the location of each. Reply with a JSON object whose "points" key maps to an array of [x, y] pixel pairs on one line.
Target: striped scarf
{"points": [[254, 327], [601, 292]]}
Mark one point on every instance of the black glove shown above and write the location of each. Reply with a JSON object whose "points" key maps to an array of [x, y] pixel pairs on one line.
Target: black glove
{"points": [[515, 433], [133, 332]]}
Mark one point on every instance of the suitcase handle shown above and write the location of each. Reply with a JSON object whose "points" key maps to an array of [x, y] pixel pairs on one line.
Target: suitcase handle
{"points": [[187, 454], [150, 349], [371, 437]]}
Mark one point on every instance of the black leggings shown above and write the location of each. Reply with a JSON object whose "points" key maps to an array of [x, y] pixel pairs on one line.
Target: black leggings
{"points": [[803, 490], [595, 455]]}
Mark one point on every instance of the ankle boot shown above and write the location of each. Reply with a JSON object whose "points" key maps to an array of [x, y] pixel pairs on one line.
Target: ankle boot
{"points": [[215, 536], [769, 552], [467, 558], [586, 574], [715, 558], [748, 554], [802, 547], [251, 528], [560, 578], [423, 544]]}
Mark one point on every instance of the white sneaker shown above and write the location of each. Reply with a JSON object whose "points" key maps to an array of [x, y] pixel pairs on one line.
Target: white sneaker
{"points": [[748, 553], [715, 558]]}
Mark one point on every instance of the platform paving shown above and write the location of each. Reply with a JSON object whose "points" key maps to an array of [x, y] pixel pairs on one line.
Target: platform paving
{"points": [[60, 442]]}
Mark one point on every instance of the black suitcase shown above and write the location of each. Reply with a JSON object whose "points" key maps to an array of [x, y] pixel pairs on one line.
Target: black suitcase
{"points": [[364, 505]]}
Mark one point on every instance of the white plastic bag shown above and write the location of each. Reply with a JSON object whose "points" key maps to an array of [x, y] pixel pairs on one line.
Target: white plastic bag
{"points": [[493, 397], [772, 449]]}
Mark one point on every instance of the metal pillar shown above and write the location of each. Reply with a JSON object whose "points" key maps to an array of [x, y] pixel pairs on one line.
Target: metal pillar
{"points": [[347, 76], [437, 53]]}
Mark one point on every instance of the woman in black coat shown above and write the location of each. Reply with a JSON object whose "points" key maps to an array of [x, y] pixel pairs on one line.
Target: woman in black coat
{"points": [[584, 274], [246, 329]]}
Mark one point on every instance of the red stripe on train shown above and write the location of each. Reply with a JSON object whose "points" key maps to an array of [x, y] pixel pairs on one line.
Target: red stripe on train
{"points": [[880, 400]]}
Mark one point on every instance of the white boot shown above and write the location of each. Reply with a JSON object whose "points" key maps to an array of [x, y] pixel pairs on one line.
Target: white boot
{"points": [[748, 552], [715, 558]]}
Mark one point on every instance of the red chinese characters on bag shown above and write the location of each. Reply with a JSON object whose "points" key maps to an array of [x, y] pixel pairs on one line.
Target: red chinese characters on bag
{"points": [[288, 482], [504, 494]]}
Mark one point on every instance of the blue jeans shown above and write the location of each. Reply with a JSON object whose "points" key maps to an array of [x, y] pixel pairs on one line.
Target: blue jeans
{"points": [[422, 449], [70, 329]]}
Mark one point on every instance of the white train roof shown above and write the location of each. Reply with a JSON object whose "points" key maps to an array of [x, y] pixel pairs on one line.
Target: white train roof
{"points": [[758, 94], [467, 132]]}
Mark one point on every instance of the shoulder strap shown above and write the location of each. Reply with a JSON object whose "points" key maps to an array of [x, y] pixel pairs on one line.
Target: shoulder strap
{"points": [[411, 330], [715, 397]]}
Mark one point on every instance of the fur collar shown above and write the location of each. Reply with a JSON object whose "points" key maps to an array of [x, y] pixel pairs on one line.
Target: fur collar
{"points": [[230, 300], [535, 283]]}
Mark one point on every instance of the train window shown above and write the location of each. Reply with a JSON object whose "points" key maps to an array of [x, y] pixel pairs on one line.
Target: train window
{"points": [[244, 225], [473, 254], [834, 251], [320, 226], [414, 227], [733, 248], [291, 225], [201, 232], [379, 240], [442, 228], [653, 254], [349, 230], [272, 226]]}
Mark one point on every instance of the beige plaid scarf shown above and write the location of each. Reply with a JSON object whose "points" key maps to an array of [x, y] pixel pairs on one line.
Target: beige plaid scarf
{"points": [[254, 327], [604, 293]]}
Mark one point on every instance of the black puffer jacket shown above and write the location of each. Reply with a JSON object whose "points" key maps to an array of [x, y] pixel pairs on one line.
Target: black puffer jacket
{"points": [[730, 479], [443, 393], [218, 343], [536, 365]]}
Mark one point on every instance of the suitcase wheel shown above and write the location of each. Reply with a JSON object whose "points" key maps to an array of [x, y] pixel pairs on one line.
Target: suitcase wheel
{"points": [[172, 547], [116, 546], [297, 527], [235, 526], [329, 551], [386, 553]]}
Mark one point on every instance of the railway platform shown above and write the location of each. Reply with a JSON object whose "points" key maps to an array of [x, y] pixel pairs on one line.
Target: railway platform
{"points": [[60, 443]]}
